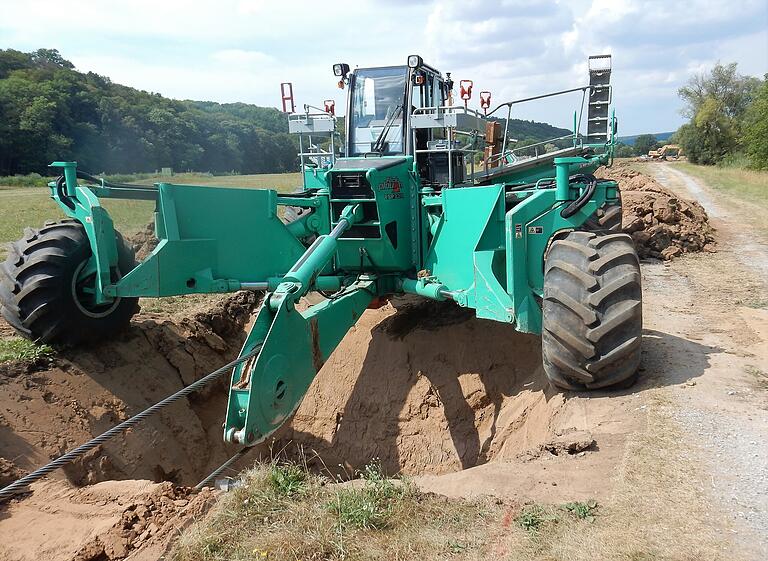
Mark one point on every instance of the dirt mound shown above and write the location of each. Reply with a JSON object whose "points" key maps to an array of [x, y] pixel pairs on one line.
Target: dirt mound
{"points": [[662, 225], [144, 242], [133, 520], [48, 408], [147, 522], [427, 388]]}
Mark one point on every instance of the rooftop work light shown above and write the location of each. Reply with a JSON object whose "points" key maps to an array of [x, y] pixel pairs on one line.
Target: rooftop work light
{"points": [[414, 61], [341, 69]]}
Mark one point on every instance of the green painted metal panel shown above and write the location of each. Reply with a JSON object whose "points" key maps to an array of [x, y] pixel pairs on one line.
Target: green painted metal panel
{"points": [[214, 234], [466, 214], [387, 236]]}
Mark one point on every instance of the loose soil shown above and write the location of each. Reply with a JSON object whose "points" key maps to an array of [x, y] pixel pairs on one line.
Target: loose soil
{"points": [[662, 224], [460, 404], [47, 408]]}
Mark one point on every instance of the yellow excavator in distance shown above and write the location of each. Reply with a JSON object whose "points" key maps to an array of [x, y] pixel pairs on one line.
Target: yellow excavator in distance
{"points": [[666, 152]]}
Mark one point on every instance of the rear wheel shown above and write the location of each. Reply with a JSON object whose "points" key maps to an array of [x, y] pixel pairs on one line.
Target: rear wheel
{"points": [[44, 295], [592, 311]]}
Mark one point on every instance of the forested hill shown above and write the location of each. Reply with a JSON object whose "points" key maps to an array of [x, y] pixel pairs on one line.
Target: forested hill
{"points": [[528, 132], [50, 111]]}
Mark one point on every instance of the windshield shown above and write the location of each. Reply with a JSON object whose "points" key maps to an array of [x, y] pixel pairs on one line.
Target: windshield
{"points": [[377, 102]]}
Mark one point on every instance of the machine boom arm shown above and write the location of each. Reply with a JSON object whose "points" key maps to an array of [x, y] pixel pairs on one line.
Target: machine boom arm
{"points": [[295, 344]]}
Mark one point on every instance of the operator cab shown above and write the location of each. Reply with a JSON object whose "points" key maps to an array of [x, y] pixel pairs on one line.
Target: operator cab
{"points": [[381, 102]]}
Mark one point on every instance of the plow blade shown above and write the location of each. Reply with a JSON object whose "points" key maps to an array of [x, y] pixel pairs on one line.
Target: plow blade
{"points": [[267, 389]]}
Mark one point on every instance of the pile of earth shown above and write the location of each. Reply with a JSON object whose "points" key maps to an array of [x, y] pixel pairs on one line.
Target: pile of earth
{"points": [[662, 225], [51, 405], [425, 387], [133, 519], [144, 241]]}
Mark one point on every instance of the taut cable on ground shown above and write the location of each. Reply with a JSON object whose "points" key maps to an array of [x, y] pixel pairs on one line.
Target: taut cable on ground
{"points": [[21, 485], [222, 467]]}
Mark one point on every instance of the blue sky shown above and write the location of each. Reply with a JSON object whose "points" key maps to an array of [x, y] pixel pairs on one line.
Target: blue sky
{"points": [[240, 50]]}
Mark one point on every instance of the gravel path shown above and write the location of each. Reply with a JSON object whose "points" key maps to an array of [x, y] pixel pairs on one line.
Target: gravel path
{"points": [[726, 414], [734, 451]]}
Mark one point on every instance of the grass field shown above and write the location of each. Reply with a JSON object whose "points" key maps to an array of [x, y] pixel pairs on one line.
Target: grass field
{"points": [[32, 206], [744, 184]]}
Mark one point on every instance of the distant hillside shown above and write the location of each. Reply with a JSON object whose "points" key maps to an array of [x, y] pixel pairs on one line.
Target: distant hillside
{"points": [[532, 131], [660, 136], [50, 111]]}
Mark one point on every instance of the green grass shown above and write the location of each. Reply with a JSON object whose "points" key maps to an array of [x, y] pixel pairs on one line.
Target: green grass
{"points": [[18, 349], [287, 480], [535, 517], [744, 184], [279, 515], [32, 206], [370, 506]]}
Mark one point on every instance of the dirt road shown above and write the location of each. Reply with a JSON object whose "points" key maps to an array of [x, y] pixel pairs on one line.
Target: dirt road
{"points": [[715, 307]]}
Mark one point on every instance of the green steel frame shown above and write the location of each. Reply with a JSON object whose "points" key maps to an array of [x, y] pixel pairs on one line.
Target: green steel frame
{"points": [[481, 246]]}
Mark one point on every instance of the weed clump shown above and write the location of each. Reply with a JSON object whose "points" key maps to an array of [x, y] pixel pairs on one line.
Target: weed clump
{"points": [[535, 517], [18, 349], [287, 480], [372, 505]]}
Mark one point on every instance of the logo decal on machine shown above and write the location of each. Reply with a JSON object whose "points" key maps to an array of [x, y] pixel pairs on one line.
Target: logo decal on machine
{"points": [[391, 188]]}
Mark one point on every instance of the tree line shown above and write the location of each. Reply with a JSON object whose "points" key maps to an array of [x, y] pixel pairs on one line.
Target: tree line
{"points": [[50, 111], [727, 120]]}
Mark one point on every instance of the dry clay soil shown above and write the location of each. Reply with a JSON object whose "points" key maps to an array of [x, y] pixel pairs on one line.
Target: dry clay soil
{"points": [[459, 403]]}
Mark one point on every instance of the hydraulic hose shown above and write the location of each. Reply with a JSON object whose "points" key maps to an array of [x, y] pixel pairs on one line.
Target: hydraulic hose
{"points": [[584, 198]]}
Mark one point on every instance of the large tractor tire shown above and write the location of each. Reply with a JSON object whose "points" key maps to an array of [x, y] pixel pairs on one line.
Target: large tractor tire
{"points": [[41, 295], [592, 311]]}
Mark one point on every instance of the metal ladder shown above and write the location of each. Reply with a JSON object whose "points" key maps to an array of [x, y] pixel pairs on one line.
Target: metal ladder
{"points": [[599, 99]]}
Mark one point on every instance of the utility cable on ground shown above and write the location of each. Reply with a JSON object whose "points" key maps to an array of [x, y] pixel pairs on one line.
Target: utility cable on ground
{"points": [[222, 467], [20, 485]]}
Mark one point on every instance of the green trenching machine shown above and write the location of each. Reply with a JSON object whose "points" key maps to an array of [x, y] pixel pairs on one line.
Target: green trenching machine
{"points": [[427, 197]]}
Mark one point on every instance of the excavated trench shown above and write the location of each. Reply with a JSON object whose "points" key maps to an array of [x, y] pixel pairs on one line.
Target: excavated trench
{"points": [[47, 408], [424, 387]]}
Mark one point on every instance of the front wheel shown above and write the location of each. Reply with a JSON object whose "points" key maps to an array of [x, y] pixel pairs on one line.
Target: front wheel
{"points": [[45, 296], [592, 311]]}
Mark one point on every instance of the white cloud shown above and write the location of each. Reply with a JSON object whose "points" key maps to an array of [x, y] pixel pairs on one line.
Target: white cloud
{"points": [[240, 50], [242, 57]]}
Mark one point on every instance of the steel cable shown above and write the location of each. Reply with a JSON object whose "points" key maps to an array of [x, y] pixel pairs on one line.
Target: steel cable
{"points": [[20, 485], [223, 466]]}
